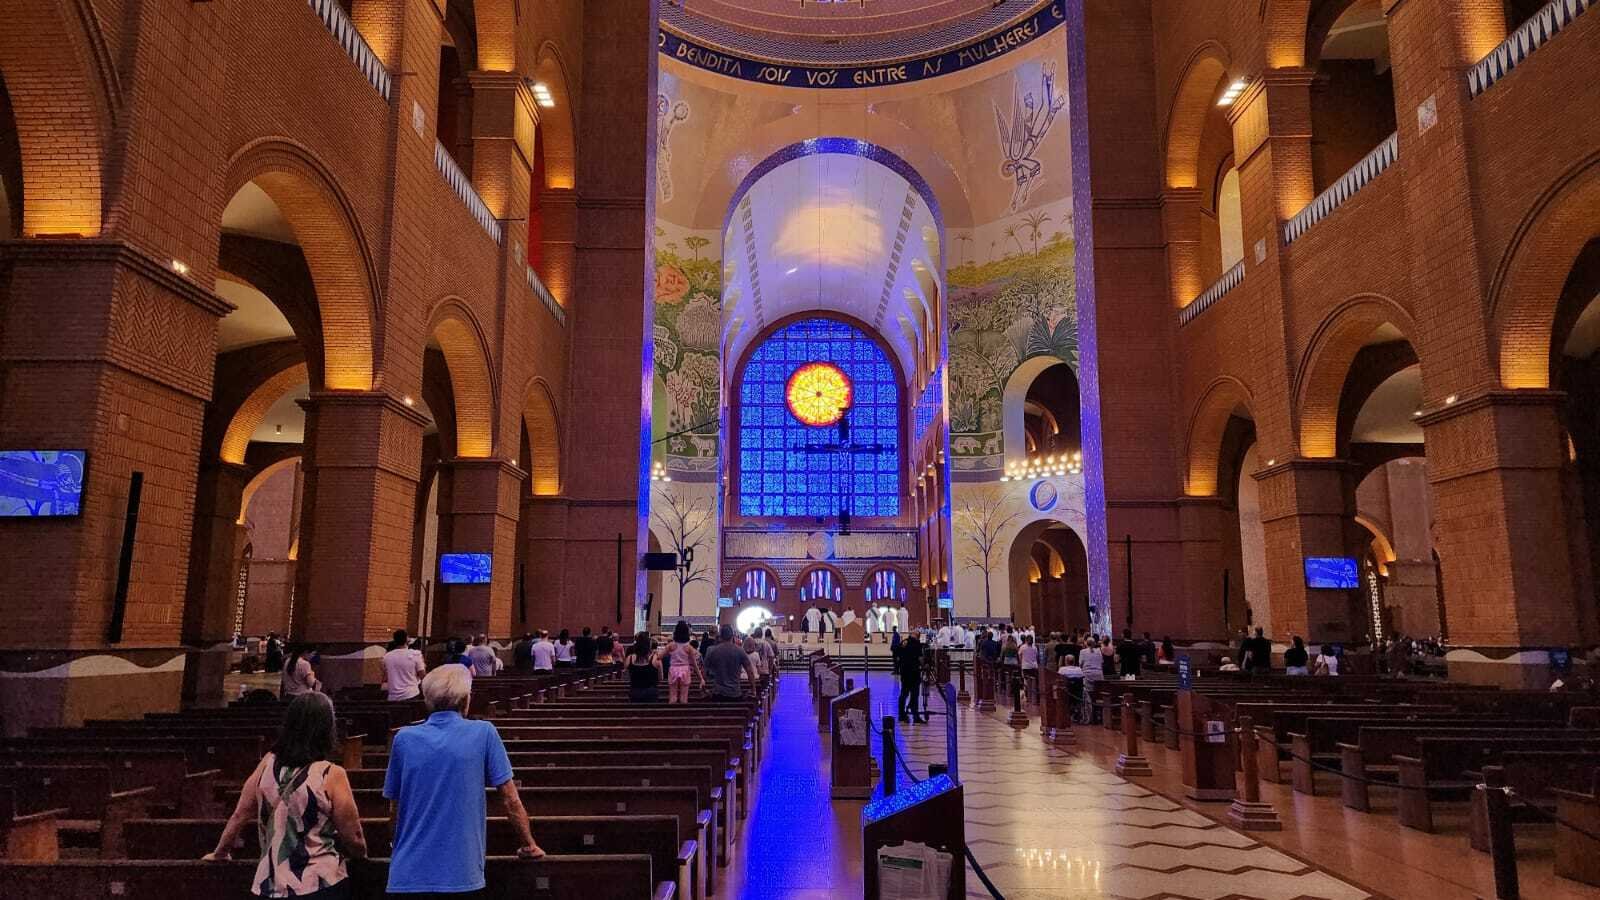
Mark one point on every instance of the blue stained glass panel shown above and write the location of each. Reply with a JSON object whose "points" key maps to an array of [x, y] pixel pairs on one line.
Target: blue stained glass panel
{"points": [[785, 478]]}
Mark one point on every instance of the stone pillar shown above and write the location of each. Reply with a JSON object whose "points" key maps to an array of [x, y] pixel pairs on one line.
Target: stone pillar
{"points": [[1495, 465], [1307, 506], [362, 452], [484, 508], [218, 544]]}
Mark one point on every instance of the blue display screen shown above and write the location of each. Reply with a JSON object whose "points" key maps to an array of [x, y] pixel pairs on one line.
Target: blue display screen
{"points": [[778, 475], [41, 483], [465, 568], [1331, 572]]}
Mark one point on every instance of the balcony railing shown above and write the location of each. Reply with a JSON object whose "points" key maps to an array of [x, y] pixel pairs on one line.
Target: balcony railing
{"points": [[462, 185], [1229, 280], [344, 31], [545, 297], [1530, 36], [1370, 167]]}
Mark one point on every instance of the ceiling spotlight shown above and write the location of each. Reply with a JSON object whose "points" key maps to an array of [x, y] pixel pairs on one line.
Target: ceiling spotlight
{"points": [[542, 95], [1232, 93], [792, 270]]}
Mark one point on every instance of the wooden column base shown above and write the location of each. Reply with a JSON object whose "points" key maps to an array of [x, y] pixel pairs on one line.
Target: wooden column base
{"points": [[985, 705], [1133, 766], [1247, 816], [1017, 719], [1060, 737]]}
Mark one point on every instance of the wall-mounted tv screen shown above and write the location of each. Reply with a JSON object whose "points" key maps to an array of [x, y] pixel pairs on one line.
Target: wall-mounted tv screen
{"points": [[465, 568], [41, 483], [1332, 572]]}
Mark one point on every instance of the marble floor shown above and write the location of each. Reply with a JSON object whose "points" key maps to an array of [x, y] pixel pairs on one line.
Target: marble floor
{"points": [[1041, 821]]}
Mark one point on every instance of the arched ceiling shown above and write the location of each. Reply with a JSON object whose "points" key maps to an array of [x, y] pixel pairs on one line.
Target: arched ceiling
{"points": [[830, 231]]}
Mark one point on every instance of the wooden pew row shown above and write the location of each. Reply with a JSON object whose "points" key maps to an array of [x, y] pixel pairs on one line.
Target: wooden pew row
{"points": [[32, 836], [1369, 754], [347, 748], [654, 836], [1578, 854], [617, 877], [1533, 777], [178, 790], [1438, 771], [235, 757], [95, 810], [1324, 738]]}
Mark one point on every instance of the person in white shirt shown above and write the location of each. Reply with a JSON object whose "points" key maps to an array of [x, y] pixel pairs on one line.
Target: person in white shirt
{"points": [[403, 669], [544, 653], [565, 650], [485, 661], [1028, 660]]}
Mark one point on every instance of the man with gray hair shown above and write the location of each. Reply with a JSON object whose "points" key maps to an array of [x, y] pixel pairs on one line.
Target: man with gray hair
{"points": [[437, 774]]}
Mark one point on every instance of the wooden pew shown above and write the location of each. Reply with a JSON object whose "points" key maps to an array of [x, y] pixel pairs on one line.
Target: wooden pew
{"points": [[1323, 738], [95, 810], [179, 791], [598, 877], [236, 757], [32, 836], [1440, 766], [654, 836], [1578, 854], [1533, 777], [347, 748], [1370, 756]]}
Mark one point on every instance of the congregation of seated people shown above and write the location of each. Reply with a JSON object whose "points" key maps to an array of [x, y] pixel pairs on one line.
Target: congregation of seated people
{"points": [[498, 770]]}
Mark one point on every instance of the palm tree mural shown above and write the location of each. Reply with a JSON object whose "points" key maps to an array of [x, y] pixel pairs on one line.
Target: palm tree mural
{"points": [[1011, 232], [1034, 222]]}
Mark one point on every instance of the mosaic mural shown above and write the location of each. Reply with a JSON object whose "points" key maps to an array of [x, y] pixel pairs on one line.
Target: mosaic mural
{"points": [[1012, 298], [687, 332]]}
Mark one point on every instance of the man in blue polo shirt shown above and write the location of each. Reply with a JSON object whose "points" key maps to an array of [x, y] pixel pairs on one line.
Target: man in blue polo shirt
{"points": [[437, 774]]}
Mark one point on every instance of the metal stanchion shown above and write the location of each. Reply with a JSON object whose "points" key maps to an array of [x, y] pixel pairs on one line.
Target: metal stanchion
{"points": [[888, 756], [1130, 763], [1502, 845], [961, 695], [1018, 718]]}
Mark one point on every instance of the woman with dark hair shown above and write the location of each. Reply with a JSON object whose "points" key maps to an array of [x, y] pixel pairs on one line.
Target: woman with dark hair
{"points": [[564, 651], [644, 670], [683, 659], [306, 818], [298, 676]]}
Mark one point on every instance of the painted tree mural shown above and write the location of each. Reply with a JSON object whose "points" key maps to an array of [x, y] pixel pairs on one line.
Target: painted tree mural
{"points": [[981, 517], [687, 521]]}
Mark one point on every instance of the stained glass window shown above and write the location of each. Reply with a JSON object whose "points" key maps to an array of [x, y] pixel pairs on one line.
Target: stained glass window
{"points": [[780, 471]]}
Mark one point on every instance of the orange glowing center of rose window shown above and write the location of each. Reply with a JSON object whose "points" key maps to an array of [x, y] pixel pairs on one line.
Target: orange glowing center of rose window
{"points": [[819, 393]]}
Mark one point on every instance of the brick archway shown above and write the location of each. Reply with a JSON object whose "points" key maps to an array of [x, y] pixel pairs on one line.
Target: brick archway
{"points": [[1526, 291], [1283, 32], [1320, 378], [61, 83], [248, 417], [330, 237], [466, 357], [1191, 106], [558, 123], [544, 439], [1206, 428]]}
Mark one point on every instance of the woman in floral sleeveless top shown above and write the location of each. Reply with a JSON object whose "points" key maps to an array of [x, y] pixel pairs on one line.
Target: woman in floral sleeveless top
{"points": [[305, 814]]}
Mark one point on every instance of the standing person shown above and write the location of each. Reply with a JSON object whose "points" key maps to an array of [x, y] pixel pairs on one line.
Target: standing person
{"points": [[1028, 660], [908, 665], [894, 642], [305, 814], [683, 660], [605, 647], [522, 655], [1294, 658], [769, 647], [436, 778], [1169, 651], [585, 650], [725, 663], [1258, 654], [298, 677], [403, 669], [544, 653], [1147, 650], [644, 670], [485, 662], [565, 658], [274, 653], [1129, 654], [808, 624]]}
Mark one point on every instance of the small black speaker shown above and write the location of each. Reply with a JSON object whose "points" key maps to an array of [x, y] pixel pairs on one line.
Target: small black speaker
{"points": [[130, 527]]}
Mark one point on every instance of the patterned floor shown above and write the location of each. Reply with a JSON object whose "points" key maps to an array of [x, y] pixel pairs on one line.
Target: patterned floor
{"points": [[1044, 823]]}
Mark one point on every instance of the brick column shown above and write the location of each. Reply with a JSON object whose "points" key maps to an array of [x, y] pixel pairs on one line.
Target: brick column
{"points": [[558, 253], [1202, 522], [483, 513], [106, 350], [545, 556], [1180, 224], [354, 577], [1495, 465], [218, 543], [1307, 507], [503, 122]]}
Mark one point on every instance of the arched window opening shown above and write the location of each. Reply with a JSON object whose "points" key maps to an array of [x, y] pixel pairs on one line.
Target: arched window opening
{"points": [[814, 396], [457, 58], [1051, 414], [10, 170], [1230, 219], [1352, 98]]}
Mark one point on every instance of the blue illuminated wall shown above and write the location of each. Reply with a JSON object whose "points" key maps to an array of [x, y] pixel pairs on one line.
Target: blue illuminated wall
{"points": [[777, 477]]}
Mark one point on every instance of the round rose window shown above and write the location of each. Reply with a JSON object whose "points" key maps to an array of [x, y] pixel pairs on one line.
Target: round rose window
{"points": [[819, 393]]}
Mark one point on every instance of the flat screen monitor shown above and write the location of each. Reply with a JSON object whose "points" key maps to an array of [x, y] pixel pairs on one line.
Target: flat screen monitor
{"points": [[465, 568], [725, 603], [947, 603], [41, 483], [1334, 572]]}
